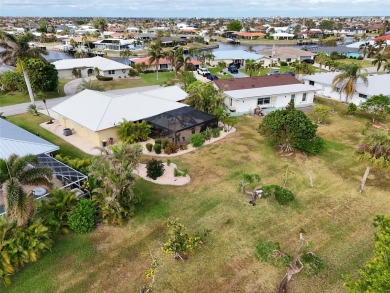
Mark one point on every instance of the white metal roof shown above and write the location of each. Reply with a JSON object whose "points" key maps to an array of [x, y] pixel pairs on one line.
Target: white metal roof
{"points": [[16, 140], [236, 54], [269, 91], [377, 84], [99, 110], [103, 64]]}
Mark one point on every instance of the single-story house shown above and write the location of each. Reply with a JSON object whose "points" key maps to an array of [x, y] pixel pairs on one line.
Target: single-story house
{"points": [[244, 95], [281, 36], [287, 54], [106, 67], [114, 44], [106, 111], [16, 140], [164, 64], [78, 40], [249, 35], [322, 83], [239, 57]]}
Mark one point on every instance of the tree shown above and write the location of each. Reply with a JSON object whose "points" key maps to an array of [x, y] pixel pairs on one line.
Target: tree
{"points": [[204, 97], [131, 132], [179, 242], [291, 129], [321, 58], [177, 59], [186, 78], [379, 59], [364, 48], [114, 193], [125, 54], [221, 65], [13, 175], [156, 53], [251, 66], [234, 25], [347, 79], [321, 112], [378, 106], [17, 51], [42, 26], [101, 24], [90, 85], [386, 66], [302, 68], [43, 75], [326, 24], [375, 275]]}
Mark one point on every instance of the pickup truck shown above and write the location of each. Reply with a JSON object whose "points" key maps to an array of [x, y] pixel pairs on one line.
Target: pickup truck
{"points": [[203, 71]]}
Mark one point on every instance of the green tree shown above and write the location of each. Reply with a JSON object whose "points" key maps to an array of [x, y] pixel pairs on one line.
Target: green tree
{"points": [[375, 275], [13, 175], [379, 59], [252, 66], [125, 54], [17, 51], [42, 26], [131, 132], [321, 112], [347, 79], [321, 58], [101, 24], [234, 25], [364, 48], [204, 97], [156, 53], [177, 59], [378, 106], [179, 241], [81, 219], [291, 129], [186, 78], [43, 75], [326, 24]]}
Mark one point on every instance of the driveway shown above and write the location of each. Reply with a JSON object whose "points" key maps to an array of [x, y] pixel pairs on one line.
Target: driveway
{"points": [[235, 75], [200, 77]]}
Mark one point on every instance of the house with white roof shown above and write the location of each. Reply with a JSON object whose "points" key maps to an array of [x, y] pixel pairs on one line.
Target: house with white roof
{"points": [[106, 67], [323, 84], [106, 111], [268, 93], [239, 57]]}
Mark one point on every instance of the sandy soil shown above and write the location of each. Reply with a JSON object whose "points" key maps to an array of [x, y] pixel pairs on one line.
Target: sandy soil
{"points": [[166, 179]]}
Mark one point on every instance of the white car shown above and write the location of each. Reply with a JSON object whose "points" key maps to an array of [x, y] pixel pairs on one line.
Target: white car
{"points": [[203, 71]]}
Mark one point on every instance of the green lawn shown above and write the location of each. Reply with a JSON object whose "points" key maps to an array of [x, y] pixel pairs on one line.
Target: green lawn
{"points": [[364, 63], [264, 71], [333, 215], [12, 98], [31, 123], [151, 78], [214, 70]]}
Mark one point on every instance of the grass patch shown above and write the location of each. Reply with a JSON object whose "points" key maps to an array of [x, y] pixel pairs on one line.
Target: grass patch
{"points": [[264, 71], [31, 123], [214, 70], [151, 78], [12, 98], [364, 63], [119, 83]]}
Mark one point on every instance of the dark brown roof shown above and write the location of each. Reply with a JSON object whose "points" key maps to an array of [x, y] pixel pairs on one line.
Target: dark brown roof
{"points": [[255, 82]]}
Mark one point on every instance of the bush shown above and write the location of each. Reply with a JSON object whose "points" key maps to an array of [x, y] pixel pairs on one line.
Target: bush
{"points": [[171, 148], [283, 63], [197, 140], [133, 72], [82, 218], [131, 132], [149, 147], [164, 143], [12, 81], [352, 108], [216, 132], [104, 78], [157, 148], [154, 169], [282, 195], [168, 162], [176, 172], [206, 133], [265, 251]]}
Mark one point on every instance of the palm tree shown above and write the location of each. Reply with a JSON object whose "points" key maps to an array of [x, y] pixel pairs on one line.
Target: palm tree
{"points": [[364, 48], [203, 56], [302, 68], [41, 96], [177, 59], [321, 58], [16, 51], [347, 79], [90, 85], [386, 66], [156, 53], [14, 173], [251, 66], [125, 54], [101, 24], [379, 59], [379, 43]]}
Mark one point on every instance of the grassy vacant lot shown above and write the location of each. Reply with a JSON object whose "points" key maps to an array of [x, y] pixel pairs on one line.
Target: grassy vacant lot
{"points": [[11, 98], [264, 71], [334, 216], [364, 63], [31, 123]]}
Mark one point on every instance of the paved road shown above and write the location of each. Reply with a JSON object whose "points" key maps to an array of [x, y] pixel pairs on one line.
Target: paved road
{"points": [[22, 108]]}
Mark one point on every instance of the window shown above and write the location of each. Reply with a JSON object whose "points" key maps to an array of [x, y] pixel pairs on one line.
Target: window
{"points": [[111, 72], [263, 101], [337, 89], [304, 97], [311, 82], [293, 97], [363, 96], [288, 60], [163, 66]]}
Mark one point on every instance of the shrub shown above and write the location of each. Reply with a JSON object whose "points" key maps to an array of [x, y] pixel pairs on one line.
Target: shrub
{"points": [[171, 148], [164, 143], [104, 78], [196, 140], [216, 132], [157, 141], [157, 148], [167, 150], [352, 108], [183, 146], [168, 162], [176, 172], [267, 252], [82, 218], [149, 147], [282, 195], [283, 63], [154, 169], [133, 72], [206, 133], [12, 81], [131, 132]]}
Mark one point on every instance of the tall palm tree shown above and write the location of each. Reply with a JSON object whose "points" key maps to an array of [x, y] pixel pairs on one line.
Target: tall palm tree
{"points": [[14, 173], [386, 66], [177, 59], [347, 79], [251, 66], [155, 53], [379, 44], [16, 51], [101, 24], [379, 59], [321, 58], [364, 48], [125, 54]]}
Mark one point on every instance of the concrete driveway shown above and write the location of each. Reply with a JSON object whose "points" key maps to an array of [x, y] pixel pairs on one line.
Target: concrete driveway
{"points": [[235, 75]]}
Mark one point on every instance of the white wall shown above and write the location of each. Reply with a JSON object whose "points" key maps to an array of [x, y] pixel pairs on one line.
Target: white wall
{"points": [[118, 73]]}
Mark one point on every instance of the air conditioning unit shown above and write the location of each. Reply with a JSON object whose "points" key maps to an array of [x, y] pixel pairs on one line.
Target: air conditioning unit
{"points": [[67, 131]]}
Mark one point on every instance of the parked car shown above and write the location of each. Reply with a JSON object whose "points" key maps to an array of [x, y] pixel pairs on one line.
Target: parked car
{"points": [[290, 72], [274, 72], [212, 77], [233, 69], [235, 64], [203, 71], [310, 61]]}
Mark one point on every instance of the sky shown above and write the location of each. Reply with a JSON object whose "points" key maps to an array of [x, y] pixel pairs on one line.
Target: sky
{"points": [[194, 8]]}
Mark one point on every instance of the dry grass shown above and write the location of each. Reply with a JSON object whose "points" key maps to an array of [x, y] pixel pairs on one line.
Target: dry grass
{"points": [[334, 216]]}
